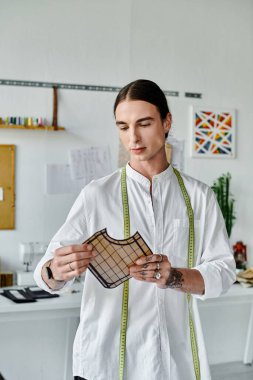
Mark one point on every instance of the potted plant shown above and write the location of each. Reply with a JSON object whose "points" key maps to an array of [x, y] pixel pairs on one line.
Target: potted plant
{"points": [[221, 188]]}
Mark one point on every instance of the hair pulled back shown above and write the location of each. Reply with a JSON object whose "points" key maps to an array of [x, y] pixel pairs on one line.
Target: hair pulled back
{"points": [[146, 90]]}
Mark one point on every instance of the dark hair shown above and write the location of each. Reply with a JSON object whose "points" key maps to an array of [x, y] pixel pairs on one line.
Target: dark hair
{"points": [[146, 90]]}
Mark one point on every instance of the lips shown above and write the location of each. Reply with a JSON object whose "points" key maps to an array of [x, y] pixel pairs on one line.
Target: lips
{"points": [[137, 150]]}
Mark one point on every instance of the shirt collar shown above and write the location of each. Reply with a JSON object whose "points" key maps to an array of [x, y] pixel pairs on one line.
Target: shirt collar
{"points": [[136, 176]]}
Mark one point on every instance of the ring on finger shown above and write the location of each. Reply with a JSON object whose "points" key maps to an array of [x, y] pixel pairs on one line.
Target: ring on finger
{"points": [[161, 257], [71, 267], [157, 266], [157, 275]]}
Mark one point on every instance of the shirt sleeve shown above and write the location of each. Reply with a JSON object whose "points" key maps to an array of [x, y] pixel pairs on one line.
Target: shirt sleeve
{"points": [[217, 264], [73, 231]]}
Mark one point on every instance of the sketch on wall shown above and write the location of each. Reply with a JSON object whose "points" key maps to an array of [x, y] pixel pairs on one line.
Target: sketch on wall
{"points": [[213, 132]]}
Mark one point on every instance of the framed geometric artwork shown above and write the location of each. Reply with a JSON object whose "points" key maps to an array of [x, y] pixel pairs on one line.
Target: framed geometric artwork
{"points": [[213, 132]]}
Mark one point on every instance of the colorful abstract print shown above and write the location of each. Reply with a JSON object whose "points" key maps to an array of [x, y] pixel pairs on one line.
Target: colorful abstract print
{"points": [[213, 133]]}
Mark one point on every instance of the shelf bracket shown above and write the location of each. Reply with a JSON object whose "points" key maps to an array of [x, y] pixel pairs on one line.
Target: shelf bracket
{"points": [[55, 109]]}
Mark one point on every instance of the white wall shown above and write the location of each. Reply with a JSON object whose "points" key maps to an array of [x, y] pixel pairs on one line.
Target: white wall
{"points": [[184, 45]]}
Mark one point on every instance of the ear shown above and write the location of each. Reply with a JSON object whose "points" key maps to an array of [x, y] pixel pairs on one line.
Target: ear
{"points": [[167, 122]]}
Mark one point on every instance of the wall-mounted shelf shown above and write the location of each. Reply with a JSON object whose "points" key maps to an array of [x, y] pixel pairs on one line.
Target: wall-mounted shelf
{"points": [[53, 127], [34, 127]]}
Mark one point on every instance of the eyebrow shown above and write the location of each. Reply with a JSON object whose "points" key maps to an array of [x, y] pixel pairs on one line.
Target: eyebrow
{"points": [[137, 121]]}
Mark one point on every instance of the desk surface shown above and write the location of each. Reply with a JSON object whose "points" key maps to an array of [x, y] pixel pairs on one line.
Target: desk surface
{"points": [[236, 294], [67, 300], [73, 300], [238, 290]]}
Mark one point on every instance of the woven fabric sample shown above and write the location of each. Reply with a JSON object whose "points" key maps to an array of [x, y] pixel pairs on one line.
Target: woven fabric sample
{"points": [[110, 267]]}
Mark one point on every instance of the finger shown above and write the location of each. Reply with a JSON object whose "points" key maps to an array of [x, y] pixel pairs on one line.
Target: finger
{"points": [[74, 256], [64, 262], [73, 248], [70, 270], [77, 256], [75, 265], [152, 258], [80, 263], [145, 267], [145, 278], [73, 268], [71, 274], [146, 273], [61, 269]]}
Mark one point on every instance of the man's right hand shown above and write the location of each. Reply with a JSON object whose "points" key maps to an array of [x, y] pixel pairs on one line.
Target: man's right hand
{"points": [[71, 261]]}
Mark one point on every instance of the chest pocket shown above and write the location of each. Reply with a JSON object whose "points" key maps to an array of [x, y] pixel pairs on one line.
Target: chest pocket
{"points": [[179, 254]]}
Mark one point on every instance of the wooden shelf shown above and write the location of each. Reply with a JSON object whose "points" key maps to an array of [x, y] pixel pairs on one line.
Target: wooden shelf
{"points": [[33, 127], [53, 127]]}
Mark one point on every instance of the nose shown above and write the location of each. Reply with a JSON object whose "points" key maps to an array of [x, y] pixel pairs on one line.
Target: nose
{"points": [[133, 136]]}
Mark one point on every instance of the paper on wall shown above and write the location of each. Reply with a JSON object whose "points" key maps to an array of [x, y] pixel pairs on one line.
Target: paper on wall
{"points": [[177, 152], [123, 156], [90, 163]]}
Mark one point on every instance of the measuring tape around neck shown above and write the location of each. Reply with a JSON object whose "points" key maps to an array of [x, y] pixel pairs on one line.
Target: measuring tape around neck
{"points": [[191, 249], [124, 311]]}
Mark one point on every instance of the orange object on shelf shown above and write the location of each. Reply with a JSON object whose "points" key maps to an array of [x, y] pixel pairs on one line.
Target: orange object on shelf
{"points": [[240, 255]]}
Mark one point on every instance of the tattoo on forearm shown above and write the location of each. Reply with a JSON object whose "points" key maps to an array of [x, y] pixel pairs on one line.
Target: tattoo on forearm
{"points": [[175, 279]]}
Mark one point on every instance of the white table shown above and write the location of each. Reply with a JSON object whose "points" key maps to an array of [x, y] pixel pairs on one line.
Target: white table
{"points": [[244, 295], [66, 307], [239, 296], [236, 293]]}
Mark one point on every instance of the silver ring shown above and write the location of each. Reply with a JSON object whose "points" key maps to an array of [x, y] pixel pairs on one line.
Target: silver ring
{"points": [[157, 266], [161, 257], [157, 275], [71, 267]]}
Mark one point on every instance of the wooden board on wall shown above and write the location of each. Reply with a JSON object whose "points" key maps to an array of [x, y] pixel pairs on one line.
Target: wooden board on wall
{"points": [[7, 187]]}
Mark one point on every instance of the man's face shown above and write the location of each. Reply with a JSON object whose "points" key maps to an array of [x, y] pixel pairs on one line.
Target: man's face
{"points": [[141, 129]]}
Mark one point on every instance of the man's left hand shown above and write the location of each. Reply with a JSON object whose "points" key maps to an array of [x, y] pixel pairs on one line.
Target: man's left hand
{"points": [[154, 268]]}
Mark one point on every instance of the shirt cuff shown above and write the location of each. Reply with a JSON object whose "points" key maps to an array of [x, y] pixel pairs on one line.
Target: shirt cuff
{"points": [[212, 280], [41, 283]]}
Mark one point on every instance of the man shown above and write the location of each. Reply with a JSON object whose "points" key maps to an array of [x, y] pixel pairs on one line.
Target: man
{"points": [[180, 220]]}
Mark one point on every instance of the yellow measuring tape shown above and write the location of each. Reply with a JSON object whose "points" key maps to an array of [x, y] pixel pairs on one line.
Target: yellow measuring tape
{"points": [[124, 312], [191, 249]]}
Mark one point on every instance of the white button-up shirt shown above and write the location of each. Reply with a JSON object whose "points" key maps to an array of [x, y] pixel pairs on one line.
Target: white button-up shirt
{"points": [[158, 339]]}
